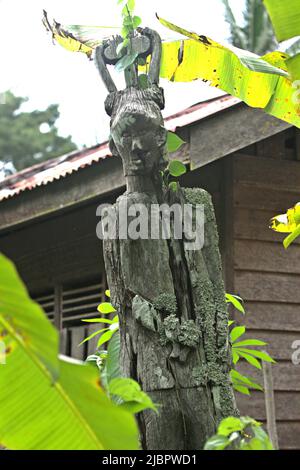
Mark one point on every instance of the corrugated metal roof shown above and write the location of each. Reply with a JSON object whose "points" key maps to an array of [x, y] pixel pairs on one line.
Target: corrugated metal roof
{"points": [[54, 169]]}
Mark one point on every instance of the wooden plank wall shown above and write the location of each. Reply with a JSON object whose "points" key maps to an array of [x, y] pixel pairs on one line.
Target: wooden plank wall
{"points": [[267, 277]]}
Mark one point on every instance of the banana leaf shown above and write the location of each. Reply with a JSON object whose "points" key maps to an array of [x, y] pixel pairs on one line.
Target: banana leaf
{"points": [[78, 38], [38, 411], [261, 82], [266, 82], [288, 222], [285, 17]]}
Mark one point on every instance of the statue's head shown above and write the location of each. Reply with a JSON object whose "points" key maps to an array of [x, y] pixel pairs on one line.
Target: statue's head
{"points": [[138, 134]]}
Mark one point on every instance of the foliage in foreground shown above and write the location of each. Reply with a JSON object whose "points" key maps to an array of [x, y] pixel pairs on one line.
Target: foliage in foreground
{"points": [[239, 434], [124, 391], [49, 402]]}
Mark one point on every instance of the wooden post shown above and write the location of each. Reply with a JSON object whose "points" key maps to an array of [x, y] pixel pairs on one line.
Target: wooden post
{"points": [[270, 404], [170, 298]]}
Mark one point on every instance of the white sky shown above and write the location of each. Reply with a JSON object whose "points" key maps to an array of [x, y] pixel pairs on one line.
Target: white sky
{"points": [[31, 66]]}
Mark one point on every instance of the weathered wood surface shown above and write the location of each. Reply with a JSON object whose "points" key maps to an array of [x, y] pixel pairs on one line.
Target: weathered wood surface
{"points": [[160, 292], [64, 249], [267, 277], [282, 288], [286, 376], [253, 224], [277, 200], [279, 343], [230, 131], [102, 178], [287, 405], [271, 316], [267, 173], [264, 257]]}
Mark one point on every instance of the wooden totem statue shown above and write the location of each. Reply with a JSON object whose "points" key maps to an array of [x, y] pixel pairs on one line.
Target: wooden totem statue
{"points": [[170, 298]]}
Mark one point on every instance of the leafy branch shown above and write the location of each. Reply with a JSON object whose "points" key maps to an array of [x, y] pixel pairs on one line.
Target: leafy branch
{"points": [[243, 349]]}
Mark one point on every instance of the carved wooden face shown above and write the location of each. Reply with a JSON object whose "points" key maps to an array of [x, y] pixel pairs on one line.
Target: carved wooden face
{"points": [[140, 140]]}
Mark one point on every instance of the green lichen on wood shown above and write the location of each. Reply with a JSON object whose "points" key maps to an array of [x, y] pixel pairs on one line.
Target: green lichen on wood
{"points": [[189, 334], [166, 303], [209, 373], [227, 402], [197, 196]]}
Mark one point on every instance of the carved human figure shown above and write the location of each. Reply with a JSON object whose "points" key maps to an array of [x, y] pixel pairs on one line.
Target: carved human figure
{"points": [[138, 134], [170, 300]]}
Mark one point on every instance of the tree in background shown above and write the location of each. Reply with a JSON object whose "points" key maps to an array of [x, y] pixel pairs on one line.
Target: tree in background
{"points": [[257, 34], [27, 138]]}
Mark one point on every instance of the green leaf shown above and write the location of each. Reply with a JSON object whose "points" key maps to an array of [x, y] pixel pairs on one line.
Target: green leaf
{"points": [[93, 336], [240, 379], [176, 168], [136, 21], [263, 356], [235, 301], [250, 342], [106, 308], [230, 425], [131, 5], [36, 412], [173, 186], [126, 61], [242, 389], [217, 443], [107, 293], [292, 237], [72, 414], [293, 65], [261, 82], [236, 332], [134, 399], [285, 17], [125, 32], [174, 142], [247, 421], [252, 360], [263, 437], [105, 338], [235, 356], [112, 364], [24, 320]]}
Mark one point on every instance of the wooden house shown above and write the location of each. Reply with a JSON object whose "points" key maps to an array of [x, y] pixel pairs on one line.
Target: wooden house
{"points": [[247, 160]]}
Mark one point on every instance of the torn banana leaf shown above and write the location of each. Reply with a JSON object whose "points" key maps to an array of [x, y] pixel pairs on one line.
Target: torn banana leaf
{"points": [[286, 223], [77, 38], [261, 82], [285, 17]]}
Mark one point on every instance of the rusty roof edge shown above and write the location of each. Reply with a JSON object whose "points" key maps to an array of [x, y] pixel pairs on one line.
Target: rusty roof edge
{"points": [[46, 172]]}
